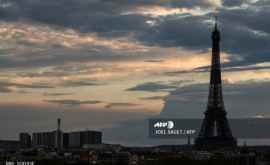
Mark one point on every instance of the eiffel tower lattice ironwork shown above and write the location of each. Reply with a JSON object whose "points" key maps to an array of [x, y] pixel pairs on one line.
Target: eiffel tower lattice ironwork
{"points": [[215, 130]]}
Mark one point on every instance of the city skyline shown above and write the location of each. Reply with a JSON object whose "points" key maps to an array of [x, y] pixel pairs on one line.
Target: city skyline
{"points": [[101, 64]]}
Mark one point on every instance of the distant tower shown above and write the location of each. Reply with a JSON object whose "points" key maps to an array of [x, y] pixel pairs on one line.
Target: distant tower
{"points": [[215, 130], [59, 135], [58, 124]]}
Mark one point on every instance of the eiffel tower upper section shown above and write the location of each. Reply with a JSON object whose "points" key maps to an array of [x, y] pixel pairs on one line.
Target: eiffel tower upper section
{"points": [[215, 98]]}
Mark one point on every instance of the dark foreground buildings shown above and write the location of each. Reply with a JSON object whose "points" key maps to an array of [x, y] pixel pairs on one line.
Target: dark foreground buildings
{"points": [[215, 130], [59, 139], [81, 139]]}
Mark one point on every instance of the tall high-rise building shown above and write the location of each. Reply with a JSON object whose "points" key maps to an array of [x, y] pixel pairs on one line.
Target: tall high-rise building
{"points": [[215, 130]]}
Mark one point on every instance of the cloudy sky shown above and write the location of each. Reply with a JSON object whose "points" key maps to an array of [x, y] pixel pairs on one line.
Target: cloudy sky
{"points": [[99, 64]]}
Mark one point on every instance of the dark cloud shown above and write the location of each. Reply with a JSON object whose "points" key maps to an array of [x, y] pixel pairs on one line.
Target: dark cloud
{"points": [[32, 86], [245, 31], [262, 3], [85, 14], [80, 83], [153, 98], [56, 94], [70, 102], [231, 3], [188, 32], [117, 105], [6, 87], [191, 101], [154, 61], [167, 3], [82, 15], [63, 70], [176, 73], [232, 68], [53, 57], [152, 87]]}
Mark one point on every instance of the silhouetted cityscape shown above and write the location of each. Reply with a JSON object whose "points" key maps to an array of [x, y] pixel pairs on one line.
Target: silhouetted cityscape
{"points": [[214, 145]]}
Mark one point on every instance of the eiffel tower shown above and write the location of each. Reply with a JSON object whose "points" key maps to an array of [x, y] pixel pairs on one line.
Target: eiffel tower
{"points": [[215, 130]]}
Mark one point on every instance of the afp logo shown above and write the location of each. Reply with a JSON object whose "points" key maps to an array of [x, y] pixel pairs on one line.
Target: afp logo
{"points": [[168, 124]]}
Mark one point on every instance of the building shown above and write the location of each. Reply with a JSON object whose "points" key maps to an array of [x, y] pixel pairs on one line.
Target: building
{"points": [[53, 139], [74, 140], [65, 140], [215, 130], [58, 139], [90, 137], [25, 140], [81, 138], [47, 139]]}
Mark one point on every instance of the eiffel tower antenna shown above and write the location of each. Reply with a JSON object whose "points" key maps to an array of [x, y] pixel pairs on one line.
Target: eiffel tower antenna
{"points": [[216, 21]]}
